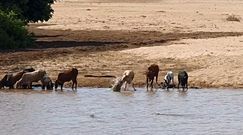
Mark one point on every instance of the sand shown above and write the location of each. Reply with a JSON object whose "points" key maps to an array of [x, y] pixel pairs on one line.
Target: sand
{"points": [[106, 37]]}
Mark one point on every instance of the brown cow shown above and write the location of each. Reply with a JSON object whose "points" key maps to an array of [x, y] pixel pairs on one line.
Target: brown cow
{"points": [[67, 75], [152, 71], [10, 79]]}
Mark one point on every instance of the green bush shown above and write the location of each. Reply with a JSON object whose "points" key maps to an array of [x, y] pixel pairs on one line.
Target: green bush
{"points": [[13, 34], [29, 10], [14, 16]]}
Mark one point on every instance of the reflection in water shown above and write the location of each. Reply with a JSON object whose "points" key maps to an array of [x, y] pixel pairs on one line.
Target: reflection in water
{"points": [[183, 94], [101, 111]]}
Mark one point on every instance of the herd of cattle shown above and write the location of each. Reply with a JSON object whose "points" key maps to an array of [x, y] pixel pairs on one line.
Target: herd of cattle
{"points": [[152, 73], [26, 77]]}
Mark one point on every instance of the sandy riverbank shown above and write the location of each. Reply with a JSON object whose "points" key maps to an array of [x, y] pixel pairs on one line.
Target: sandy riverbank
{"points": [[108, 37]]}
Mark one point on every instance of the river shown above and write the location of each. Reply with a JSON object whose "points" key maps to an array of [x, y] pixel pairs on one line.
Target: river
{"points": [[95, 111]]}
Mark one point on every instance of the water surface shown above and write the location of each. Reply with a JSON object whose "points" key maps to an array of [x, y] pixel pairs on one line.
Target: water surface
{"points": [[101, 111]]}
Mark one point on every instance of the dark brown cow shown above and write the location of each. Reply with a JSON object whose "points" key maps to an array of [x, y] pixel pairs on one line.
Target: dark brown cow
{"points": [[10, 79], [68, 75], [183, 80], [152, 71]]}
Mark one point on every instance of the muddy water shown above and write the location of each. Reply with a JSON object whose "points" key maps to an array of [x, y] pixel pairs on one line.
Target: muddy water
{"points": [[101, 111]]}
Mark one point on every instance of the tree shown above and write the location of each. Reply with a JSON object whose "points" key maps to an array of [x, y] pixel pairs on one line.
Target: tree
{"points": [[13, 33], [14, 16], [29, 10]]}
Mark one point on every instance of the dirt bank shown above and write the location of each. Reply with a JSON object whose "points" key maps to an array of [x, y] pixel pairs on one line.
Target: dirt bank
{"points": [[107, 38]]}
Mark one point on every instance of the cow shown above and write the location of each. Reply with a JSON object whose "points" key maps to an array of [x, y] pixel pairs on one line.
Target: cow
{"points": [[151, 73], [65, 76], [28, 78], [169, 80], [126, 78], [10, 79], [183, 80]]}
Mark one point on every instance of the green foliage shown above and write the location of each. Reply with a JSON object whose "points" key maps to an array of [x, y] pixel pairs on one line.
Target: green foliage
{"points": [[15, 14], [29, 10], [13, 33]]}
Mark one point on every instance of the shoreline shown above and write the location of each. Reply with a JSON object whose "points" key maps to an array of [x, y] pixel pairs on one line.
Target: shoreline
{"points": [[103, 39]]}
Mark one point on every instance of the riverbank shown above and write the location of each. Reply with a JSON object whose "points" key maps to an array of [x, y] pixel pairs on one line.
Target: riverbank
{"points": [[106, 38]]}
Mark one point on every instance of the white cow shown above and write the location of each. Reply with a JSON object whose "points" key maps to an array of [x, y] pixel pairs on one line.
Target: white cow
{"points": [[126, 78], [169, 80], [30, 77]]}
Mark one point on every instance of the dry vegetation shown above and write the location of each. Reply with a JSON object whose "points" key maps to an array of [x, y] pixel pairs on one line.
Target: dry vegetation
{"points": [[233, 18]]}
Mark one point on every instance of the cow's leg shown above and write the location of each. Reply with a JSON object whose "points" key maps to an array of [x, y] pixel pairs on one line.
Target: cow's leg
{"points": [[133, 87], [17, 85], [186, 86], [125, 86], [166, 85], [56, 85], [74, 85], [147, 81], [151, 84], [1, 84], [183, 85], [30, 85], [11, 87], [156, 79], [26, 85], [49, 86], [62, 86], [178, 84], [43, 87]]}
